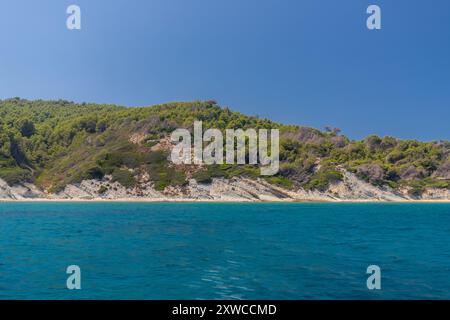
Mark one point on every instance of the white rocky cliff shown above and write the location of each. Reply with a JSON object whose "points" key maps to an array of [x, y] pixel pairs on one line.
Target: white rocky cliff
{"points": [[236, 189]]}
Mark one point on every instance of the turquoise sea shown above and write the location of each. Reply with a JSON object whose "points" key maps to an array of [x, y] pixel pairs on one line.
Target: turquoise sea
{"points": [[224, 251]]}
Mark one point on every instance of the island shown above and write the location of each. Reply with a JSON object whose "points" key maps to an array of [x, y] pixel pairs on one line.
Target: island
{"points": [[61, 150]]}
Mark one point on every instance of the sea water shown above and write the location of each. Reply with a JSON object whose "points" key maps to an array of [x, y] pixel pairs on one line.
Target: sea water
{"points": [[224, 251]]}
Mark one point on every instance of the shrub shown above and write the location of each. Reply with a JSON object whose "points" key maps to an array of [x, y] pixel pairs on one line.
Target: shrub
{"points": [[206, 176], [15, 175], [161, 174], [371, 172], [250, 171], [102, 189], [117, 159], [280, 181], [321, 180], [202, 177], [124, 177], [163, 177], [395, 156], [95, 173], [27, 128], [416, 190], [155, 157]]}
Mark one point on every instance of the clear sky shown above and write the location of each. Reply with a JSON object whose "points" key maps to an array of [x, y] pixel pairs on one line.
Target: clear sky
{"points": [[310, 62]]}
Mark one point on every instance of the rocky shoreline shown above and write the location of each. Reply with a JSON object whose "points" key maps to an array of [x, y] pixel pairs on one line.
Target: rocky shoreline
{"points": [[350, 189]]}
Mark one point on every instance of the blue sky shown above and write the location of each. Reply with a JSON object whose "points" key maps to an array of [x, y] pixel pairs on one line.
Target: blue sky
{"points": [[310, 62]]}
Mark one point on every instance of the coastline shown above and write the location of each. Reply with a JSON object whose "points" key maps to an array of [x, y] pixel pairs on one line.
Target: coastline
{"points": [[150, 200], [236, 190]]}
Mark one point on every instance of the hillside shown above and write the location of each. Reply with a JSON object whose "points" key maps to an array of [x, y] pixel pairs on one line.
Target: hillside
{"points": [[52, 146]]}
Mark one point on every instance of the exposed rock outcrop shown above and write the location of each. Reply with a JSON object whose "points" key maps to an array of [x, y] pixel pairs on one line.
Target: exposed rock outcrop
{"points": [[237, 189]]}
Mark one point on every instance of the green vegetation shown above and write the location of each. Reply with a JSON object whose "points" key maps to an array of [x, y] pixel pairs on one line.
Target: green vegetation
{"points": [[102, 189], [124, 177], [210, 172], [280, 181], [15, 175], [322, 179], [54, 143], [160, 171]]}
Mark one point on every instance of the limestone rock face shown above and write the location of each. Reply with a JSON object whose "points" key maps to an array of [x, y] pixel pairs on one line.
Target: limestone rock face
{"points": [[19, 192], [351, 188]]}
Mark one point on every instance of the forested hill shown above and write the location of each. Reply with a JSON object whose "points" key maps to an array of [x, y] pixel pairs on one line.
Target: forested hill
{"points": [[55, 143]]}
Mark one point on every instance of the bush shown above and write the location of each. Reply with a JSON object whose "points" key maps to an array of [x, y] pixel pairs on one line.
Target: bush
{"points": [[16, 175], [417, 190], [95, 173], [202, 177], [395, 156], [280, 181], [371, 172], [321, 180], [27, 128], [151, 143], [161, 174], [250, 171], [163, 177], [206, 176], [124, 177], [155, 157], [102, 189], [117, 159]]}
